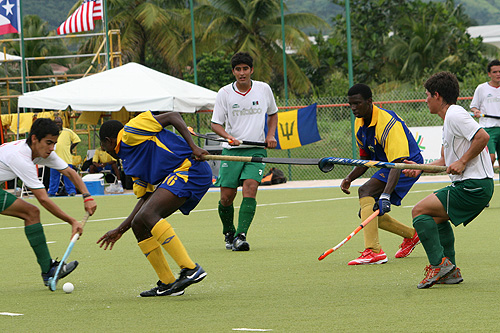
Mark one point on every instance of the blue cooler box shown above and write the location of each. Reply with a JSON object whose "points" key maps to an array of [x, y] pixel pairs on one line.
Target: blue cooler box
{"points": [[94, 183]]}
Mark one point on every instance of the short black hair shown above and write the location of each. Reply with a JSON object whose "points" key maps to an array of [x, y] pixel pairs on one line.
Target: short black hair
{"points": [[492, 63], [110, 129], [444, 83], [41, 128], [362, 89], [241, 58]]}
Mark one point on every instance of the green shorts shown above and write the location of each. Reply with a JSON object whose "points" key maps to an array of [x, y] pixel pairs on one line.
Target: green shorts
{"points": [[232, 174], [494, 142], [6, 200], [464, 200]]}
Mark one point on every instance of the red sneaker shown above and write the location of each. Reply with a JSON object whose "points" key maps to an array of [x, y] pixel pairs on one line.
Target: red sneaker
{"points": [[407, 246], [368, 257], [435, 273]]}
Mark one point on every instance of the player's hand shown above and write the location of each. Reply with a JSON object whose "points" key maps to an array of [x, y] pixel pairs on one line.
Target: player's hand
{"points": [[90, 205], [384, 204], [456, 168], [477, 113], [345, 185], [271, 142], [198, 153], [76, 228], [411, 172], [109, 239], [233, 141]]}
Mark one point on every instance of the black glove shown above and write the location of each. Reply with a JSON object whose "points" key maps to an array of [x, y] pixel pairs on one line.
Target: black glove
{"points": [[384, 204]]}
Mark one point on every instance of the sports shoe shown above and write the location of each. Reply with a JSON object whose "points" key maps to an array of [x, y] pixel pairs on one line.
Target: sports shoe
{"points": [[407, 246], [187, 277], [229, 238], [435, 273], [161, 289], [65, 270], [240, 243], [455, 277], [368, 257]]}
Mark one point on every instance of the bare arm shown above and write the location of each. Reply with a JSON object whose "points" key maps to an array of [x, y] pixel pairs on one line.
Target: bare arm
{"points": [[175, 119], [478, 142], [272, 122], [353, 175], [44, 200], [415, 173], [89, 205], [111, 237]]}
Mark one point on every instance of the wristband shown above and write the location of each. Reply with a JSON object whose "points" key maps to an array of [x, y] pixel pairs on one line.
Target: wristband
{"points": [[88, 199], [386, 196], [86, 195]]}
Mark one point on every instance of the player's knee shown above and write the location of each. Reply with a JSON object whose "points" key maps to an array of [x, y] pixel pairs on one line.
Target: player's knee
{"points": [[31, 215]]}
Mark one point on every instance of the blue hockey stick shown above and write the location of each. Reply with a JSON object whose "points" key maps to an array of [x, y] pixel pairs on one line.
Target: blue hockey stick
{"points": [[53, 280]]}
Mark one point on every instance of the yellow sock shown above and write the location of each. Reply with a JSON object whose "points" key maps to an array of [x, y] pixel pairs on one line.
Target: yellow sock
{"points": [[390, 224], [370, 231], [153, 252], [166, 236]]}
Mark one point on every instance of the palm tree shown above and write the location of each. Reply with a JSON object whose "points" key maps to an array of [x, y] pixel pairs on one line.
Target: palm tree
{"points": [[254, 26]]}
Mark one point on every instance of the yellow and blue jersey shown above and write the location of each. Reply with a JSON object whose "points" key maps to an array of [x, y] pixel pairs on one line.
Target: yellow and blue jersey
{"points": [[388, 139], [152, 156]]}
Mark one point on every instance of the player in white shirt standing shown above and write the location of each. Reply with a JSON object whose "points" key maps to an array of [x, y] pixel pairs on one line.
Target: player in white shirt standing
{"points": [[486, 101], [242, 106], [18, 159], [466, 157]]}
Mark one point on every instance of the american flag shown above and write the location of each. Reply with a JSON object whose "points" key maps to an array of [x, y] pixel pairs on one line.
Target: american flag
{"points": [[83, 18]]}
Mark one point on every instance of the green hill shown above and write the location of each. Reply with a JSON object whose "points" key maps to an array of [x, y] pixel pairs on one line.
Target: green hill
{"points": [[52, 11]]}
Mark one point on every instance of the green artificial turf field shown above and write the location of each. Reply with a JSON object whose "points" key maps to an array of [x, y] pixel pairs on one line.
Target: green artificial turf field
{"points": [[278, 285]]}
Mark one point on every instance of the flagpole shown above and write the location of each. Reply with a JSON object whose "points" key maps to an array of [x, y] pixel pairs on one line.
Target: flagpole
{"points": [[193, 38], [21, 35], [285, 78], [105, 21]]}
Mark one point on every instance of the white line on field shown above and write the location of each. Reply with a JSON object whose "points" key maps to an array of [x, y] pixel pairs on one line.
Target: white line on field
{"points": [[252, 329], [215, 209], [11, 314]]}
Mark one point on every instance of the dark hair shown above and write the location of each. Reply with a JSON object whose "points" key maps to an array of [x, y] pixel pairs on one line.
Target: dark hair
{"points": [[444, 83], [362, 89], [110, 129], [492, 63], [41, 128], [241, 58]]}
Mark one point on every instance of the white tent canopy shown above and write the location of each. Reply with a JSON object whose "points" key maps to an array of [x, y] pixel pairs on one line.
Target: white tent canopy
{"points": [[490, 33], [132, 86]]}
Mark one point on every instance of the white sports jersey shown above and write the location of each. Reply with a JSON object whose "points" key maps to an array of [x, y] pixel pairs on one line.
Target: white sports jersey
{"points": [[244, 114], [487, 100], [458, 130], [15, 161]]}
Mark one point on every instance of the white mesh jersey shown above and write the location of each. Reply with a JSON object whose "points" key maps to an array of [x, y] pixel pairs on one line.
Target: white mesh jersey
{"points": [[487, 100], [15, 161], [244, 115], [458, 130]]}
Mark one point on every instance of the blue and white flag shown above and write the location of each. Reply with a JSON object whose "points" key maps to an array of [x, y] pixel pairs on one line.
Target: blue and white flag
{"points": [[10, 18]]}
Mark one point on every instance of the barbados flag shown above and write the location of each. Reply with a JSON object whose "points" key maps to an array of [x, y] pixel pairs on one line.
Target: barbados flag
{"points": [[9, 17], [297, 128]]}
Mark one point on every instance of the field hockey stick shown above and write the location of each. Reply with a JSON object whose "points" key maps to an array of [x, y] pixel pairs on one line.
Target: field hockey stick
{"points": [[219, 139], [485, 115], [326, 164], [361, 226], [53, 280]]}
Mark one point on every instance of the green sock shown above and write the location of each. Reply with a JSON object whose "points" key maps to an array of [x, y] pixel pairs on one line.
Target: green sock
{"points": [[429, 237], [447, 239], [226, 215], [38, 243], [247, 211]]}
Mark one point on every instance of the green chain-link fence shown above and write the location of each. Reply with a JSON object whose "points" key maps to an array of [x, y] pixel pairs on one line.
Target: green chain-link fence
{"points": [[334, 124]]}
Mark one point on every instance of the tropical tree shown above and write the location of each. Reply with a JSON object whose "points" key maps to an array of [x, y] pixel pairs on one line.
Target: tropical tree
{"points": [[254, 26], [34, 26]]}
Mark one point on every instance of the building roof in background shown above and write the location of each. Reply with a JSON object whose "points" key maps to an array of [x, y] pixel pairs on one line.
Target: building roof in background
{"points": [[490, 33]]}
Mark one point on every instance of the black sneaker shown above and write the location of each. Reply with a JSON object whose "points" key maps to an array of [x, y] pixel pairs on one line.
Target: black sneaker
{"points": [[65, 270], [161, 289], [229, 238], [187, 277], [240, 243]]}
